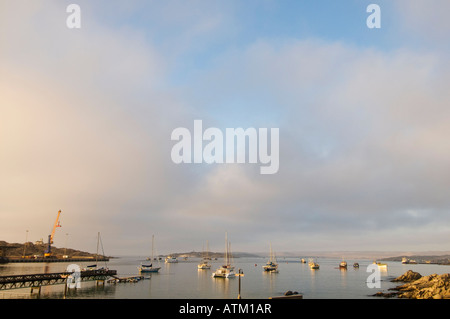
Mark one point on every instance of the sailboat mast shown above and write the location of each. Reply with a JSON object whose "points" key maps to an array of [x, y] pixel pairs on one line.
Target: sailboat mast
{"points": [[226, 248], [153, 238]]}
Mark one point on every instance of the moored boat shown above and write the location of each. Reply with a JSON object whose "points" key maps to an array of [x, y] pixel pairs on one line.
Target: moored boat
{"points": [[205, 261], [150, 268], [226, 270], [271, 265], [312, 264], [171, 259]]}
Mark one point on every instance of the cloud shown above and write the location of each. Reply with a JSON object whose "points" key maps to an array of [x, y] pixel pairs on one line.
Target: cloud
{"points": [[87, 116], [73, 136], [425, 20], [363, 133]]}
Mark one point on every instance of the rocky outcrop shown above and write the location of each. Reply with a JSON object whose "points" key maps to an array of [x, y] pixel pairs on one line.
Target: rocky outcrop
{"points": [[408, 276], [428, 287]]}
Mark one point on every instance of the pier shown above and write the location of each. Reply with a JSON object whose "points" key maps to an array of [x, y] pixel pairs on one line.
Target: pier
{"points": [[36, 281]]}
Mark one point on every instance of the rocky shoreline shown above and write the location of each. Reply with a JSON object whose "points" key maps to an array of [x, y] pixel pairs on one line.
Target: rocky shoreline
{"points": [[416, 286]]}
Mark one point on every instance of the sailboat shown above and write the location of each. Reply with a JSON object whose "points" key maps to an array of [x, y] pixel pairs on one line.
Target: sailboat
{"points": [[95, 266], [226, 270], [271, 265], [205, 261], [150, 268]]}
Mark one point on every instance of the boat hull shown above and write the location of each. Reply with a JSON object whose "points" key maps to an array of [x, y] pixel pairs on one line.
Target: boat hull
{"points": [[153, 270], [228, 275]]}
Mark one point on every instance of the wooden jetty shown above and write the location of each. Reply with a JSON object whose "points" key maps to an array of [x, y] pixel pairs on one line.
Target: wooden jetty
{"points": [[36, 281]]}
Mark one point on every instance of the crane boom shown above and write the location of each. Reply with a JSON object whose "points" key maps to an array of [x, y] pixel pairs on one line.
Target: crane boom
{"points": [[48, 251]]}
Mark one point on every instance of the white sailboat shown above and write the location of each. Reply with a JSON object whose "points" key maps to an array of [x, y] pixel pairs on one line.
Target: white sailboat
{"points": [[150, 268], [205, 261], [226, 270], [272, 265]]}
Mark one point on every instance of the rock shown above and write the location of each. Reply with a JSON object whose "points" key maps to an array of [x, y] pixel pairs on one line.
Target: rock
{"points": [[428, 287], [408, 276], [417, 287]]}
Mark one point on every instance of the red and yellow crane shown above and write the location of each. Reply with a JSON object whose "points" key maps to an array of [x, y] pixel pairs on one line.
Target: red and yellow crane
{"points": [[48, 251]]}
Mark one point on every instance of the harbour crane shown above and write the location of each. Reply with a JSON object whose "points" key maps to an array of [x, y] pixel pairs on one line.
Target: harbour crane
{"points": [[48, 251]]}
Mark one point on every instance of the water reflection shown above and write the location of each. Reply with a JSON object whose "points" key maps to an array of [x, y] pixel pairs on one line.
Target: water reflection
{"points": [[185, 280], [343, 272]]}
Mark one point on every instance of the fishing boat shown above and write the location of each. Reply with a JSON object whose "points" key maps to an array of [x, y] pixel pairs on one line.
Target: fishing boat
{"points": [[343, 264], [271, 265], [355, 265], [205, 261], [312, 264], [150, 268], [226, 270]]}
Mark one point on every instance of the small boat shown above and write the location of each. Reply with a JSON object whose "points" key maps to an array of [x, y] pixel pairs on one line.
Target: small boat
{"points": [[303, 261], [171, 259], [90, 268], [226, 270], [204, 265], [355, 265], [205, 261], [312, 264], [150, 268], [271, 265], [343, 265]]}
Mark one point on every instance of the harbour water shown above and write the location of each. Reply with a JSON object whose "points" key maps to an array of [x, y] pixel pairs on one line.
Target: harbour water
{"points": [[183, 280]]}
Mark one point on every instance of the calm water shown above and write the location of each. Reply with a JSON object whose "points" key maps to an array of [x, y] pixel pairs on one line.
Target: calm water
{"points": [[184, 281]]}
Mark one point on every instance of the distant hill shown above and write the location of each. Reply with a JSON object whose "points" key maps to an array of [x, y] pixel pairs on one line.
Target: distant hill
{"points": [[423, 259], [199, 254], [30, 249]]}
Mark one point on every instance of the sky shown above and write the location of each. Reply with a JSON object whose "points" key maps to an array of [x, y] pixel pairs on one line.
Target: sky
{"points": [[86, 116]]}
